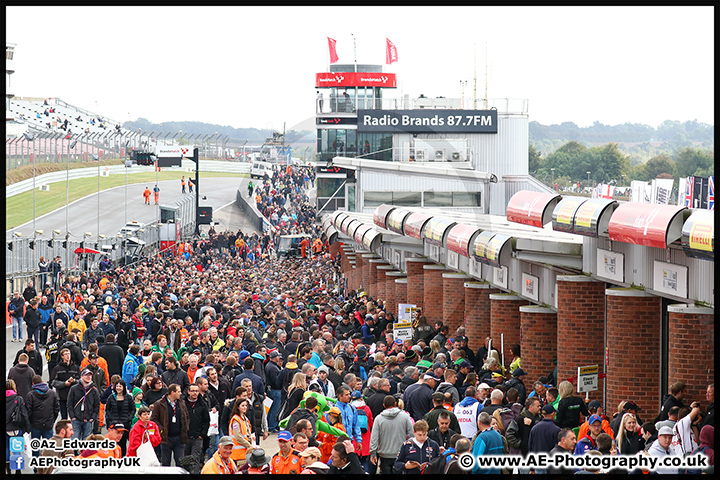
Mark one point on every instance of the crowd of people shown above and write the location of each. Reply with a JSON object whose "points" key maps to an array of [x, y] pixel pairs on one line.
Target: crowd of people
{"points": [[197, 358]]}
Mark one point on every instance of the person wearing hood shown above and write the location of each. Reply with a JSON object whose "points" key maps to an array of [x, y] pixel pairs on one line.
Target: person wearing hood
{"points": [[11, 428], [707, 445], [467, 412], [390, 430], [43, 406], [517, 432], [131, 364], [72, 344], [366, 424], [22, 374], [83, 402]]}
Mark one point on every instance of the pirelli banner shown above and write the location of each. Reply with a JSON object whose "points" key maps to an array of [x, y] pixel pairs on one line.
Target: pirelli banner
{"points": [[427, 121], [698, 235]]}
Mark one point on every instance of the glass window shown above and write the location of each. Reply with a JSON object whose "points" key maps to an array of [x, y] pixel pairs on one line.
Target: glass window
{"points": [[407, 199], [374, 199], [351, 198], [327, 186], [466, 199], [438, 199]]}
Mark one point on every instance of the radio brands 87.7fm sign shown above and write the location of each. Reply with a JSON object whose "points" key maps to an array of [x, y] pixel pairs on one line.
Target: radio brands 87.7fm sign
{"points": [[427, 121]]}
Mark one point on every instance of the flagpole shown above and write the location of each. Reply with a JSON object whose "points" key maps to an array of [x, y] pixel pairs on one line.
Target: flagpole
{"points": [[475, 76]]}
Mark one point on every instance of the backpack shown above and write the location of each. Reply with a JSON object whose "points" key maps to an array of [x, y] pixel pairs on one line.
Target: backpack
{"points": [[18, 418], [695, 471], [437, 465], [362, 419]]}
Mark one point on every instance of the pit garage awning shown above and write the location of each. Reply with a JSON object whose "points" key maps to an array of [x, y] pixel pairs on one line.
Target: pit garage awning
{"points": [[396, 219], [531, 208], [583, 216], [435, 230], [381, 213], [698, 235], [414, 224], [460, 238], [492, 248], [647, 224]]}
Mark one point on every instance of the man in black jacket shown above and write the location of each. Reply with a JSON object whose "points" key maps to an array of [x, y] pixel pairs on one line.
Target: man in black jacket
{"points": [[34, 357], [175, 374], [344, 460], [272, 375], [83, 402], [43, 406], [199, 414], [380, 389], [33, 320], [64, 376], [113, 355]]}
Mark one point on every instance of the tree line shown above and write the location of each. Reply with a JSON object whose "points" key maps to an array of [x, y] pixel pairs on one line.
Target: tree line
{"points": [[608, 164]]}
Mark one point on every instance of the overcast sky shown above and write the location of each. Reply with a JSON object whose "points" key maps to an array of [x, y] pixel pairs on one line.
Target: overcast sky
{"points": [[255, 66]]}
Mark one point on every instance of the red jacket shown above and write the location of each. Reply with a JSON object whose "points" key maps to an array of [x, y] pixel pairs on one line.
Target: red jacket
{"points": [[140, 434]]}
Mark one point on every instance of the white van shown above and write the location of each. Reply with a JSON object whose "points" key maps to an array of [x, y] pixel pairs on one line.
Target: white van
{"points": [[131, 227], [259, 169]]}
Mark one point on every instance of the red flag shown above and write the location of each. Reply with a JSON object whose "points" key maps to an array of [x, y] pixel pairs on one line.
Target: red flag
{"points": [[390, 52], [333, 53]]}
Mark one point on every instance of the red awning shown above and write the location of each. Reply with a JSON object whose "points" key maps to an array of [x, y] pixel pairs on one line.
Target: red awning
{"points": [[395, 219], [459, 237], [435, 230], [381, 213], [415, 223], [647, 224], [87, 250], [531, 208], [360, 232]]}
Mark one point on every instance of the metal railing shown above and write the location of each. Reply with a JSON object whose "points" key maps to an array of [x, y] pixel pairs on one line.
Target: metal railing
{"points": [[21, 263], [341, 104]]}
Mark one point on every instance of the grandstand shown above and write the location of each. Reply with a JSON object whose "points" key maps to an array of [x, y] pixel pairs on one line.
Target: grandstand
{"points": [[44, 115]]}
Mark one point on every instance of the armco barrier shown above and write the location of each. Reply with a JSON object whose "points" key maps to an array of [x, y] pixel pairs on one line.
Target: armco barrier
{"points": [[61, 176]]}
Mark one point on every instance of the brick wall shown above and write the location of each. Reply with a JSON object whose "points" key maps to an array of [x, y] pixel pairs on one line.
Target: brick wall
{"points": [[360, 263], [505, 320], [692, 349], [580, 327], [539, 341], [416, 281], [433, 289], [390, 291], [477, 312], [401, 291], [381, 281], [633, 339], [365, 271], [374, 276], [453, 307]]}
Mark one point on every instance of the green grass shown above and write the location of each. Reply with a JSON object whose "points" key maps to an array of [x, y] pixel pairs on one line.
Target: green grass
{"points": [[19, 208]]}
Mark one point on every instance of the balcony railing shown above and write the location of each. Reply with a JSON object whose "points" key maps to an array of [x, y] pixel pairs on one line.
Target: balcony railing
{"points": [[340, 104], [400, 154]]}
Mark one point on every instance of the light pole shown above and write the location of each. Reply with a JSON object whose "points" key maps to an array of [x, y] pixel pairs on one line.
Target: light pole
{"points": [[552, 170], [462, 85], [244, 154], [588, 179]]}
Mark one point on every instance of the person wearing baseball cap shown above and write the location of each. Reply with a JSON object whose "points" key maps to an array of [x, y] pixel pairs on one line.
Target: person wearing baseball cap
{"points": [[116, 432], [588, 442], [661, 448], [595, 408], [220, 462], [544, 435], [287, 461], [418, 397]]}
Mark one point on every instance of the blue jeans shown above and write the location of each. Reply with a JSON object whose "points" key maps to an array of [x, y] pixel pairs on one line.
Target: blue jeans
{"points": [[82, 430], [17, 328], [35, 334], [272, 415], [35, 433], [173, 448], [213, 446]]}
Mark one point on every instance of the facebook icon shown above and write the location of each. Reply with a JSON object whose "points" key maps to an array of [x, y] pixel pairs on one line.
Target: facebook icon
{"points": [[17, 462]]}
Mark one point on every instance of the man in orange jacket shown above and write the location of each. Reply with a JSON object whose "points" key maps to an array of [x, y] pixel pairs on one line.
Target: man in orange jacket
{"points": [[146, 195]]}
